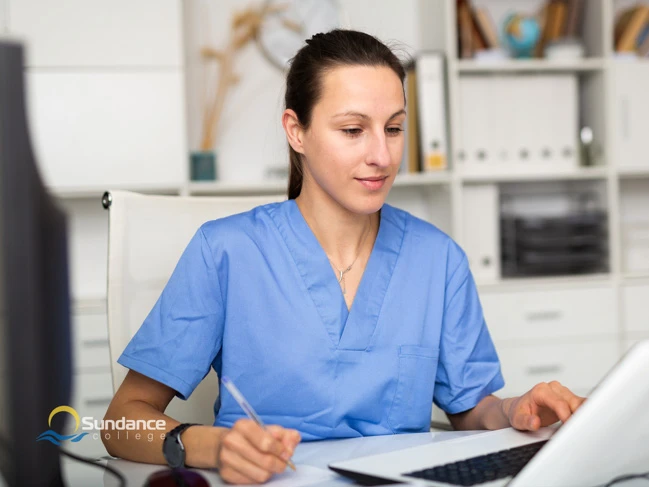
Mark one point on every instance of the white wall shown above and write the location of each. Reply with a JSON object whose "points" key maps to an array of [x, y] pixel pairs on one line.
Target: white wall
{"points": [[250, 136]]}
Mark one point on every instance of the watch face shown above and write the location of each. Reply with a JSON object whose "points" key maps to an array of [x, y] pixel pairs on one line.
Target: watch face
{"points": [[173, 451], [290, 22]]}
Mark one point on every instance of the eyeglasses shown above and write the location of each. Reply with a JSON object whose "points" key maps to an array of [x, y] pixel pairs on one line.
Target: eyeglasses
{"points": [[177, 477]]}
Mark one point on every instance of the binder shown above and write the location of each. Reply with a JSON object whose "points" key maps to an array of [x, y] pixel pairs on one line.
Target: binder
{"points": [[475, 112], [631, 102], [518, 124], [432, 107], [411, 159], [481, 230]]}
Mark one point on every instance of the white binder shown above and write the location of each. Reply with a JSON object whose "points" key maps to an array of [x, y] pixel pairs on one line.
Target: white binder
{"points": [[431, 93], [631, 102], [518, 124], [481, 231]]}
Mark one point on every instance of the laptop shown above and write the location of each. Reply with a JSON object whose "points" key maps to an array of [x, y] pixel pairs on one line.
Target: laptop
{"points": [[606, 438]]}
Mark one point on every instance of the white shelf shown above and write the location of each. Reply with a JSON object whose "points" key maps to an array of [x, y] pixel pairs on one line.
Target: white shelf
{"points": [[633, 172], [469, 66], [223, 188], [580, 173], [97, 192]]}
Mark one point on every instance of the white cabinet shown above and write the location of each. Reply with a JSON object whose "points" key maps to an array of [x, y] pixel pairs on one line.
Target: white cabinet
{"points": [[90, 342], [105, 129], [635, 318], [82, 34], [635, 307], [91, 397], [578, 366], [92, 388], [550, 314]]}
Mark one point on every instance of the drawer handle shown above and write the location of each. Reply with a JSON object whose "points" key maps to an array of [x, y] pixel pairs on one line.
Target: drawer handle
{"points": [[544, 369], [96, 343], [100, 401], [543, 316]]}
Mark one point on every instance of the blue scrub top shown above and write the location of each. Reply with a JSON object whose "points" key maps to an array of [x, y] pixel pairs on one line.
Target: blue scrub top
{"points": [[254, 297]]}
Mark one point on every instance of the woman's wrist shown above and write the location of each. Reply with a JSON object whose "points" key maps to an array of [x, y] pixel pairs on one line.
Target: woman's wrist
{"points": [[505, 408], [202, 444]]}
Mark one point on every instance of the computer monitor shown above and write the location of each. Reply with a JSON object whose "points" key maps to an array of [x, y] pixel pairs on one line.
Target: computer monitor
{"points": [[35, 351]]}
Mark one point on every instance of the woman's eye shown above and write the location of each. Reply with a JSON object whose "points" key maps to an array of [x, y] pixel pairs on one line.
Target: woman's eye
{"points": [[355, 131], [394, 130]]}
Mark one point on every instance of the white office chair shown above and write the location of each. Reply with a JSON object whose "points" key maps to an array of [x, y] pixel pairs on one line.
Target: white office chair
{"points": [[147, 235]]}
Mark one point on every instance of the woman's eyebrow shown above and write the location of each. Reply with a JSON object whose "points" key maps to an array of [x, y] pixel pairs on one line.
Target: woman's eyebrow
{"points": [[365, 116]]}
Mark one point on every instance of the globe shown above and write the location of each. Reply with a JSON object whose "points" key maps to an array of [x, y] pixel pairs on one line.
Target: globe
{"points": [[521, 33]]}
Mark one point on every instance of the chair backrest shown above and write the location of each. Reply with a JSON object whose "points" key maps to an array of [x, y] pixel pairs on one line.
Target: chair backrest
{"points": [[147, 235]]}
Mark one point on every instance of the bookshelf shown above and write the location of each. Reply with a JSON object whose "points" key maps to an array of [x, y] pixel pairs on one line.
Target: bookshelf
{"points": [[620, 179]]}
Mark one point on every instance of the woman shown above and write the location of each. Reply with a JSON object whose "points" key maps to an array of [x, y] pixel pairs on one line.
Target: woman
{"points": [[336, 315]]}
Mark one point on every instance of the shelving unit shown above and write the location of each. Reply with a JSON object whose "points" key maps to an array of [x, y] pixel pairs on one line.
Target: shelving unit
{"points": [[564, 333]]}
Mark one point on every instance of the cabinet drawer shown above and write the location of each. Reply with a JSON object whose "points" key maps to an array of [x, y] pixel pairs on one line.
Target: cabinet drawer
{"points": [[634, 306], [531, 315], [92, 393], [633, 339], [578, 366], [90, 341]]}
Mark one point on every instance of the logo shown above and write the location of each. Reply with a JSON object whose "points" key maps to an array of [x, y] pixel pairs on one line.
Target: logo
{"points": [[137, 429], [56, 438]]}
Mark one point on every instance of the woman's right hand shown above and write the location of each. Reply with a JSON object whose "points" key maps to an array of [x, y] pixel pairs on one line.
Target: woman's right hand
{"points": [[250, 454]]}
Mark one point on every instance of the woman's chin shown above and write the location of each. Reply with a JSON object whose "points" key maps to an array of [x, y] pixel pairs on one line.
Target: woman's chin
{"points": [[367, 205]]}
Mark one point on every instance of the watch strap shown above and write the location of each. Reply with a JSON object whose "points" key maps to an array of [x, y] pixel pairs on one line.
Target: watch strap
{"points": [[172, 441]]}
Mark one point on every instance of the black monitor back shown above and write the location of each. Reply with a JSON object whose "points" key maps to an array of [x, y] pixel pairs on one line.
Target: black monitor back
{"points": [[35, 353]]}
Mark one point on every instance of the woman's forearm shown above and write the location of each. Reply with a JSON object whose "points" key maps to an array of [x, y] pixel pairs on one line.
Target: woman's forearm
{"points": [[201, 442], [491, 413]]}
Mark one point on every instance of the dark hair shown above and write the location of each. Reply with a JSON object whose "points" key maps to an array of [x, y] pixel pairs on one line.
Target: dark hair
{"points": [[304, 79]]}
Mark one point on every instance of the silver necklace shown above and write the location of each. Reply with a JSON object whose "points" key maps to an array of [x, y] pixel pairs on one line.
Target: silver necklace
{"points": [[341, 273]]}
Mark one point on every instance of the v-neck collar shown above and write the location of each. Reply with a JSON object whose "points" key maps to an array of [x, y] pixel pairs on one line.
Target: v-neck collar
{"points": [[353, 329]]}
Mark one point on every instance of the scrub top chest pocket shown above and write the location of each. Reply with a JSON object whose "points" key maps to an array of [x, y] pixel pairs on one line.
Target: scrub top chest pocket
{"points": [[413, 399]]}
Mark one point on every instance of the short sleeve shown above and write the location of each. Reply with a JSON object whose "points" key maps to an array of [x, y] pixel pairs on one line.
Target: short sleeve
{"points": [[182, 334], [468, 368]]}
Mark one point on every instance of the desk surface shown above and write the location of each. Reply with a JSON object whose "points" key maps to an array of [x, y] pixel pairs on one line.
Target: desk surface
{"points": [[310, 458]]}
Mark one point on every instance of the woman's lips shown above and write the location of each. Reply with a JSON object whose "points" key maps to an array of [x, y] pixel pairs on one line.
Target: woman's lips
{"points": [[373, 183]]}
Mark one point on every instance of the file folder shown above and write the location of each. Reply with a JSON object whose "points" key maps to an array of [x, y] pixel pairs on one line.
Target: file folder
{"points": [[432, 107]]}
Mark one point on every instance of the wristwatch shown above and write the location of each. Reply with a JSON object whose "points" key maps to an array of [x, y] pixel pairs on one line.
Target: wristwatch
{"points": [[173, 448]]}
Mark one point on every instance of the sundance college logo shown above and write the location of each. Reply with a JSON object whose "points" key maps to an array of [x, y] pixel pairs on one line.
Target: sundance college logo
{"points": [[124, 427]]}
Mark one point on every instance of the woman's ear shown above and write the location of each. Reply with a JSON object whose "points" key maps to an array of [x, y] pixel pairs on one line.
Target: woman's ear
{"points": [[294, 130]]}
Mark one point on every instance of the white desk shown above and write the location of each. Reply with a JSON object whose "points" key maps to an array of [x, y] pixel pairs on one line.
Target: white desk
{"points": [[310, 458]]}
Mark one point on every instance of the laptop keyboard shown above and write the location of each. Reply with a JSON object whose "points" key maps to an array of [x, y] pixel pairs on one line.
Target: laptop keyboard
{"points": [[485, 468]]}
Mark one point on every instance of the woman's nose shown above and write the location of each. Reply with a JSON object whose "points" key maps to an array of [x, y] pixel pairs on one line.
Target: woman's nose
{"points": [[379, 154]]}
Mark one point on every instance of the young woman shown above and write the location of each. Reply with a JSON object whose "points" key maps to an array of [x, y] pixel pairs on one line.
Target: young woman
{"points": [[336, 314]]}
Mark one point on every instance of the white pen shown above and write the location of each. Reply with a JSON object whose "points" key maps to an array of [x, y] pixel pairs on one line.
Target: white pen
{"points": [[247, 408]]}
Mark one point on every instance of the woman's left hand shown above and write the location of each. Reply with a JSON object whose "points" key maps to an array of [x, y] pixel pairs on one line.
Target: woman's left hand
{"points": [[543, 405]]}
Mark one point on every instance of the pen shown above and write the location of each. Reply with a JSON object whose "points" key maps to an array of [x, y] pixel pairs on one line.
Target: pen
{"points": [[247, 408]]}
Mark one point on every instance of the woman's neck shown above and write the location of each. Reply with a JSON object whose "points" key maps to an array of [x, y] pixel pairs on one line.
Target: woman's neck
{"points": [[342, 234]]}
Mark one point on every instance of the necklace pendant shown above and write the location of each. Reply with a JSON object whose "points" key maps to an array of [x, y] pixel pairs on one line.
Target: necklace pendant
{"points": [[342, 282]]}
